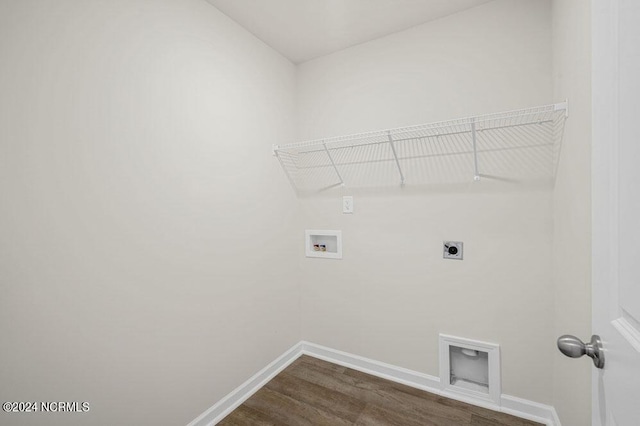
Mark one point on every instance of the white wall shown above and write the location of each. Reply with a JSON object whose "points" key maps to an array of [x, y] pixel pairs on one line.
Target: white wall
{"points": [[146, 243], [145, 246], [572, 208], [393, 293]]}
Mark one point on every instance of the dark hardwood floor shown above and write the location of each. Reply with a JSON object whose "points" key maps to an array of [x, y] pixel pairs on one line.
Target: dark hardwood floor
{"points": [[315, 392]]}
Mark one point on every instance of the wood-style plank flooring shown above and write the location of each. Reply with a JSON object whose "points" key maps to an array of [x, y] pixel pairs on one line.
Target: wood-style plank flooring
{"points": [[315, 392]]}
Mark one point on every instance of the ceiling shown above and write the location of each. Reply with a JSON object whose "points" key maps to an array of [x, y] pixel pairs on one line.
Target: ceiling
{"points": [[305, 29]]}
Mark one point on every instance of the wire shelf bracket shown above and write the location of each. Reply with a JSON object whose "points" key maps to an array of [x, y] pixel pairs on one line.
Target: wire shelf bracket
{"points": [[395, 157], [476, 174], [516, 145], [333, 163]]}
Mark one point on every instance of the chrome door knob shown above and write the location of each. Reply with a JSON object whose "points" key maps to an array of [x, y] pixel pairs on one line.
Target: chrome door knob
{"points": [[573, 347]]}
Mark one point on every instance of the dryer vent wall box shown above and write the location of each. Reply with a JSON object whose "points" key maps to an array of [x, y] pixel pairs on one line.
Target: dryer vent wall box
{"points": [[323, 243], [470, 368]]}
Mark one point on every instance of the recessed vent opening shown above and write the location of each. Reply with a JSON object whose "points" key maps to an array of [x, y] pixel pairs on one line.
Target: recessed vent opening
{"points": [[470, 368]]}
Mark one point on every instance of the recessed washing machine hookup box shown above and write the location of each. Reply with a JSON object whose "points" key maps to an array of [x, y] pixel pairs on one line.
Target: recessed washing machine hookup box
{"points": [[323, 243]]}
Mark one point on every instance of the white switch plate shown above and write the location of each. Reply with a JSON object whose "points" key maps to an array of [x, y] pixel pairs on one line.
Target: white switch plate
{"points": [[347, 204]]}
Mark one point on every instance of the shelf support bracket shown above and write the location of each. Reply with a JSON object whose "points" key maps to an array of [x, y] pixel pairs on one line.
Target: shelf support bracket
{"points": [[333, 163], [476, 175], [286, 172], [395, 157]]}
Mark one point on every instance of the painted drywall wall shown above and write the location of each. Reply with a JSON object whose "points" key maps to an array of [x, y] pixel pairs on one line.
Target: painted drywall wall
{"points": [[572, 208], [145, 246], [393, 293]]}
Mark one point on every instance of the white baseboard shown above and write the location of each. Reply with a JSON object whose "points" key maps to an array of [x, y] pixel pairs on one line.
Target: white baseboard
{"points": [[243, 392], [529, 410], [369, 366], [519, 407], [556, 419]]}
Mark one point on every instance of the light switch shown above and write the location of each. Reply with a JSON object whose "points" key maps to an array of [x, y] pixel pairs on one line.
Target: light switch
{"points": [[347, 204]]}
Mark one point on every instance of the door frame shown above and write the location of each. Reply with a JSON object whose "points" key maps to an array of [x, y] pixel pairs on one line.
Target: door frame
{"points": [[604, 101]]}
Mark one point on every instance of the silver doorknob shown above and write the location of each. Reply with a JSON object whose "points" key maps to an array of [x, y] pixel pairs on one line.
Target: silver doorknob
{"points": [[573, 347]]}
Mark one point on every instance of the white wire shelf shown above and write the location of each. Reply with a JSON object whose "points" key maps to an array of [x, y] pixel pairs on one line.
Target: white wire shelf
{"points": [[514, 145]]}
